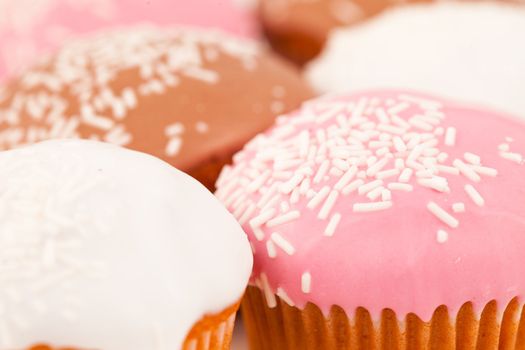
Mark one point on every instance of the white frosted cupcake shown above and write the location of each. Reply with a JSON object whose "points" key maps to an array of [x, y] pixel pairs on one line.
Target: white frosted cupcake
{"points": [[106, 248], [461, 50]]}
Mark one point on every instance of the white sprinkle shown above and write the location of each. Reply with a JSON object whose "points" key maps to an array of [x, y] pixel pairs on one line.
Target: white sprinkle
{"points": [[305, 186], [474, 195], [321, 172], [400, 107], [262, 218], [424, 173], [442, 157], [282, 243], [442, 236], [289, 186], [447, 169], [504, 147], [306, 282], [268, 293], [391, 129], [514, 157], [353, 186], [400, 122], [89, 117], [364, 189], [442, 215], [509, 139], [202, 74], [259, 181], [485, 170], [458, 207], [375, 193], [346, 178], [201, 127], [378, 166], [382, 116], [270, 248], [420, 124], [283, 219], [472, 158], [282, 294], [387, 173], [267, 196], [406, 175], [336, 172], [341, 164], [258, 233], [294, 197], [175, 129], [129, 97], [396, 186], [328, 205], [436, 183], [285, 206], [386, 195], [318, 198], [173, 147], [399, 144], [400, 164], [332, 225], [370, 207], [450, 136], [467, 171], [247, 214]]}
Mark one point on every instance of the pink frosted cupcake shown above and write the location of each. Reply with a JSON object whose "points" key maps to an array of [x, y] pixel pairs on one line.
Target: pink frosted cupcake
{"points": [[28, 29], [384, 220]]}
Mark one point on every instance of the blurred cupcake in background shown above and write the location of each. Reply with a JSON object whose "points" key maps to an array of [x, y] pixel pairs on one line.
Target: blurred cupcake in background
{"points": [[29, 28], [106, 248], [298, 29], [468, 51], [383, 220], [192, 97]]}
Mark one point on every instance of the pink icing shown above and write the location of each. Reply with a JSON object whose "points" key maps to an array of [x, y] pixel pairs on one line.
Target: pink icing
{"points": [[392, 258], [25, 33]]}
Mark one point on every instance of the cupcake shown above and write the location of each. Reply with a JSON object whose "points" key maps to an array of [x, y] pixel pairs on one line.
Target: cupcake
{"points": [[106, 248], [383, 220], [447, 49], [28, 29], [190, 97], [299, 29]]}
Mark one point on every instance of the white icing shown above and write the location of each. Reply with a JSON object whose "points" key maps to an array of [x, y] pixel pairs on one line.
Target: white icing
{"points": [[468, 51], [106, 248]]}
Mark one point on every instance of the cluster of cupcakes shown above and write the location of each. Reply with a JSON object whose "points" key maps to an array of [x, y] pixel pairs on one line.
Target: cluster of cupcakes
{"points": [[156, 177]]}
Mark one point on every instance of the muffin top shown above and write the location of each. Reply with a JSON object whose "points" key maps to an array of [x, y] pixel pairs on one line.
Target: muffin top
{"points": [[384, 199], [445, 48], [183, 95], [98, 241]]}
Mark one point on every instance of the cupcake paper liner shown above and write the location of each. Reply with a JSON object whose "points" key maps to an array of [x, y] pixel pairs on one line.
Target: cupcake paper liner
{"points": [[214, 335], [289, 328]]}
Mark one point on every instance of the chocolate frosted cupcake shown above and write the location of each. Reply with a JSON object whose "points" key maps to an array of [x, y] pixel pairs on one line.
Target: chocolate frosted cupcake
{"points": [[383, 220], [191, 97], [105, 248]]}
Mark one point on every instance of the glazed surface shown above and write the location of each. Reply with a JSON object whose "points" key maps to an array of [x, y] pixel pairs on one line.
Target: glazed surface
{"points": [[29, 29], [334, 219], [444, 48], [188, 96], [98, 241]]}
